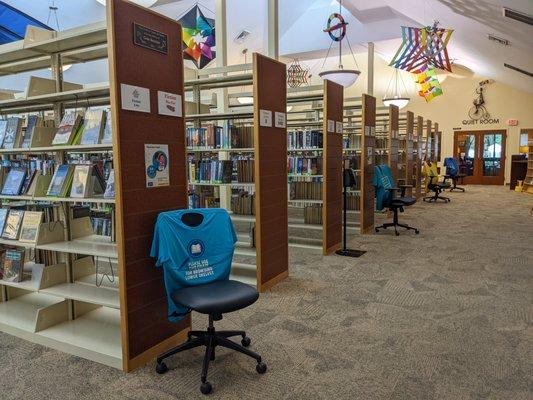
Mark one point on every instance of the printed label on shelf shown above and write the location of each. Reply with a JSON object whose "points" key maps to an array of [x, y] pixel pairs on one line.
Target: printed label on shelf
{"points": [[367, 130], [280, 120], [156, 165], [338, 127], [150, 39], [169, 104], [135, 98], [331, 126], [369, 155], [265, 118]]}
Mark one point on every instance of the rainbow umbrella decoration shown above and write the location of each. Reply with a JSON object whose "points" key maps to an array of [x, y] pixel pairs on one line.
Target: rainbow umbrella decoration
{"points": [[198, 35]]}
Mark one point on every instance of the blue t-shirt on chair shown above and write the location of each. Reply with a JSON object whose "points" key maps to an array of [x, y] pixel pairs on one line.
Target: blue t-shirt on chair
{"points": [[192, 255]]}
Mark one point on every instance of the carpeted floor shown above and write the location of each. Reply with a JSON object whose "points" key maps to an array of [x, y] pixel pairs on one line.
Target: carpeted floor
{"points": [[447, 314]]}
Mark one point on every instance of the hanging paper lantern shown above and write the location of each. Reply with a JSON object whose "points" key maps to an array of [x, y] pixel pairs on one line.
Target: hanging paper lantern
{"points": [[428, 83]]}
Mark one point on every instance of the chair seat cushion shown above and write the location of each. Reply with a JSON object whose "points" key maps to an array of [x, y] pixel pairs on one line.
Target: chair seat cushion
{"points": [[217, 297], [403, 201]]}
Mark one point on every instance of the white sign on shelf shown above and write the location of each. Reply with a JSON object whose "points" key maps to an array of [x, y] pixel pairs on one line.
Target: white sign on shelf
{"points": [[369, 155], [156, 165], [169, 104], [338, 127], [331, 126], [135, 98], [280, 120], [265, 118], [367, 130]]}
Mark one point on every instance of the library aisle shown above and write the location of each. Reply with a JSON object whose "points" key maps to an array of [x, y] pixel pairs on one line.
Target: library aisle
{"points": [[445, 315]]}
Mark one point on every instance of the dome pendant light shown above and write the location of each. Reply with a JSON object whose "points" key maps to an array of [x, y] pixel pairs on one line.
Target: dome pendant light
{"points": [[336, 29], [396, 98]]}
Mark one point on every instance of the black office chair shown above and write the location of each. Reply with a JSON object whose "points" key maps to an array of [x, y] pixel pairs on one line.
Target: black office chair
{"points": [[433, 184], [214, 299], [384, 180]]}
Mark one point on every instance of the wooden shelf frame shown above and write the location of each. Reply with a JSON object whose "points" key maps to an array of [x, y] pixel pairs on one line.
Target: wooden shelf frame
{"points": [[368, 164]]}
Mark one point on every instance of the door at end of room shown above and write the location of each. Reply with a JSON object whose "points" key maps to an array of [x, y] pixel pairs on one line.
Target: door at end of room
{"points": [[481, 156]]}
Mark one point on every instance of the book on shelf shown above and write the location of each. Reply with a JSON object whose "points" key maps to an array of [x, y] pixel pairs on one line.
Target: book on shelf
{"points": [[305, 190], [12, 225], [107, 136], [243, 202], [310, 139], [80, 181], [30, 226], [87, 181], [61, 181], [3, 218], [13, 133], [3, 128], [210, 171], [14, 182], [67, 130], [13, 265], [30, 177], [93, 126], [304, 165], [217, 137], [313, 214], [110, 186], [32, 122], [203, 197], [245, 170]]}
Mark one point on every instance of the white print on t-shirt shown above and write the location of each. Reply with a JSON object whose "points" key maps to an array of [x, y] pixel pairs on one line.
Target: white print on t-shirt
{"points": [[198, 269]]}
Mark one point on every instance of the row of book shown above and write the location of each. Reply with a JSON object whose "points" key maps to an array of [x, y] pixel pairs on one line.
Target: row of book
{"points": [[305, 190], [243, 203], [305, 165], [78, 181], [93, 127], [203, 197], [221, 171], [352, 161], [304, 139], [16, 132], [20, 225], [381, 143], [351, 141], [220, 137], [313, 214]]}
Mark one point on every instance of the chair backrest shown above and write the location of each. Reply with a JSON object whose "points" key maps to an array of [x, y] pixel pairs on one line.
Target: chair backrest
{"points": [[431, 173], [194, 247], [452, 166], [383, 180]]}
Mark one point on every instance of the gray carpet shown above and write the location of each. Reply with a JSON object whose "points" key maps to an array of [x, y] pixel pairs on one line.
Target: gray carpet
{"points": [[447, 314]]}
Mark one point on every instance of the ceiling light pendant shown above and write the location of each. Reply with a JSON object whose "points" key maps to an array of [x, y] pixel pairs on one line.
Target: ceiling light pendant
{"points": [[395, 98], [336, 29]]}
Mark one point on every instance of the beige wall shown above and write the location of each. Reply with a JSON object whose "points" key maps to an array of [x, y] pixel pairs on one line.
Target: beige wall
{"points": [[450, 109]]}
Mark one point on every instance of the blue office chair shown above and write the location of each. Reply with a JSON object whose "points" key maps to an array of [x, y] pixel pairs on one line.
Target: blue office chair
{"points": [[195, 248], [453, 172], [385, 197]]}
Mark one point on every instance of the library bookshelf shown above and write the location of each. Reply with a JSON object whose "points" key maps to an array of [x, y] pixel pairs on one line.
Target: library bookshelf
{"points": [[407, 152], [102, 300], [528, 182], [314, 195], [418, 149], [257, 197]]}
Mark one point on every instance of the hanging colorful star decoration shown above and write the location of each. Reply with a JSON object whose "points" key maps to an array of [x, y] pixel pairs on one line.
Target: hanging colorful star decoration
{"points": [[421, 52], [198, 35]]}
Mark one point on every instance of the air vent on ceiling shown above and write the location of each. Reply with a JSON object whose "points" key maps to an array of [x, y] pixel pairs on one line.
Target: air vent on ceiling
{"points": [[499, 40], [522, 71], [518, 16], [242, 36]]}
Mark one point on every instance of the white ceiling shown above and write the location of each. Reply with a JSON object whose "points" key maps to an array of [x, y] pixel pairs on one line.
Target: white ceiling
{"points": [[379, 21]]}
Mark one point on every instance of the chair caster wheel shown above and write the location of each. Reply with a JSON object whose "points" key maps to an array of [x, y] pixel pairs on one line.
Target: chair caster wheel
{"points": [[261, 368], [206, 388], [161, 368], [397, 233], [417, 231], [246, 341], [377, 230]]}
